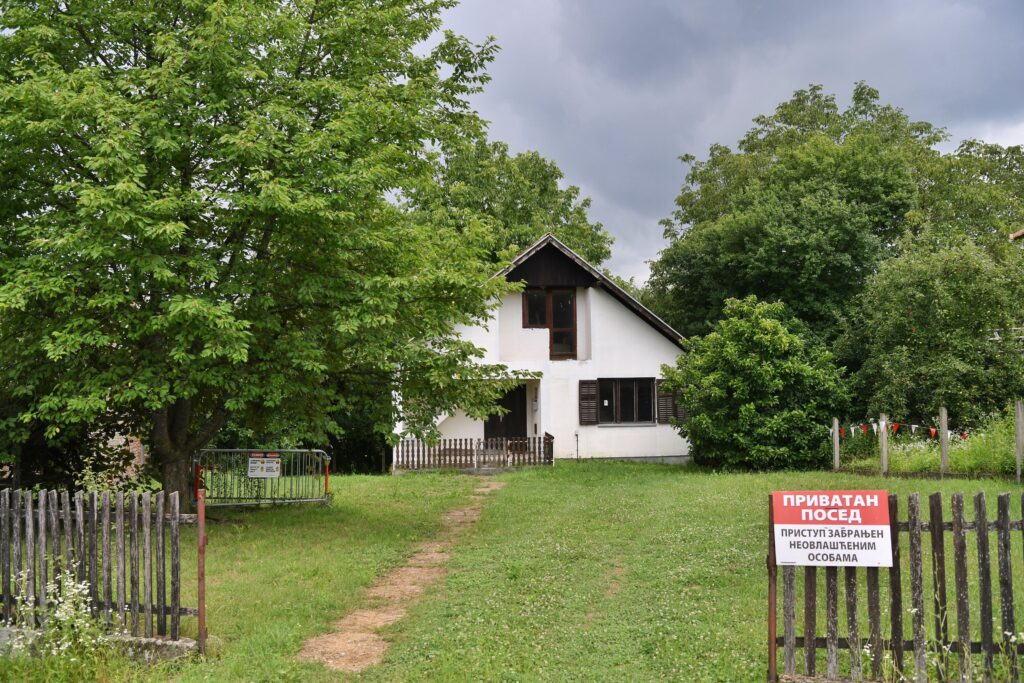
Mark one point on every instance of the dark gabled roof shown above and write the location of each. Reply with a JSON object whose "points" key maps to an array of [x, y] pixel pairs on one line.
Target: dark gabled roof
{"points": [[598, 278]]}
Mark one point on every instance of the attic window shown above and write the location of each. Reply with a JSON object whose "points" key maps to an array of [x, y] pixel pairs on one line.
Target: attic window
{"points": [[554, 309], [535, 308]]}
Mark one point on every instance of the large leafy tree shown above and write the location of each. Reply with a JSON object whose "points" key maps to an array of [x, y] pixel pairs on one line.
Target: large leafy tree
{"points": [[758, 391], [519, 197], [933, 328], [203, 215], [802, 211]]}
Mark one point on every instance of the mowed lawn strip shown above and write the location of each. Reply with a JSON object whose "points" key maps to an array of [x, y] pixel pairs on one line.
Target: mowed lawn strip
{"points": [[611, 571], [276, 576]]}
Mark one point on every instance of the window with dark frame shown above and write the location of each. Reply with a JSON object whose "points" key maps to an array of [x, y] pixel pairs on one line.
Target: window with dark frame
{"points": [[625, 401], [554, 309]]}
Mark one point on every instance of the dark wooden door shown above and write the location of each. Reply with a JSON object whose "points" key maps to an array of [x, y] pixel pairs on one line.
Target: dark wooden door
{"points": [[513, 423]]}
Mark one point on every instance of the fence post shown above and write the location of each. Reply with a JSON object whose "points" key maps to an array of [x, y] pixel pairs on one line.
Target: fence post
{"points": [[476, 454], [883, 442], [944, 439], [201, 571], [835, 444], [1019, 421]]}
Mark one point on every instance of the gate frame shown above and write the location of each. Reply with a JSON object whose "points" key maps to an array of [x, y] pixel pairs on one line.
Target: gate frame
{"points": [[198, 469]]}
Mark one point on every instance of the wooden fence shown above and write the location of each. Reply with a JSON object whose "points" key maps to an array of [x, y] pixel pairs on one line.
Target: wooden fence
{"points": [[942, 434], [411, 454], [929, 653], [125, 546]]}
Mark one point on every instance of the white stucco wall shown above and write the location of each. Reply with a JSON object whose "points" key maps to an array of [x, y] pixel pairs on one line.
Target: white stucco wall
{"points": [[612, 342]]}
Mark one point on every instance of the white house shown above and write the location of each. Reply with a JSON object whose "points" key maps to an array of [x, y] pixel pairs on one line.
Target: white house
{"points": [[599, 353]]}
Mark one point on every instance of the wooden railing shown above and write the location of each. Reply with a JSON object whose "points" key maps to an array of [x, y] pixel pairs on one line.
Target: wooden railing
{"points": [[465, 454], [111, 542]]}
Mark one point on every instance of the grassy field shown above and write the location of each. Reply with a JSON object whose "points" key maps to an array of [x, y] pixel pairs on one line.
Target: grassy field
{"points": [[590, 571]]}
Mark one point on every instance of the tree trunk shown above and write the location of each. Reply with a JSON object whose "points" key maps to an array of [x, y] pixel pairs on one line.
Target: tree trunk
{"points": [[178, 476]]}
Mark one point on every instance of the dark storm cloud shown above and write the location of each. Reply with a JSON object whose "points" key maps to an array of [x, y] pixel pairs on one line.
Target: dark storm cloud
{"points": [[614, 91]]}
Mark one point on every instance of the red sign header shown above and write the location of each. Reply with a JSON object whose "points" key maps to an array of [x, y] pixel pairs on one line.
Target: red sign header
{"points": [[831, 507]]}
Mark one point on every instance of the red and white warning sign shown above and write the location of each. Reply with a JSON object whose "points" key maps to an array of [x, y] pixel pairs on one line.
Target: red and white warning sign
{"points": [[832, 528]]}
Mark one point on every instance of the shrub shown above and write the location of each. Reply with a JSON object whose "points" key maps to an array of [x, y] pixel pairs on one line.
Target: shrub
{"points": [[759, 391]]}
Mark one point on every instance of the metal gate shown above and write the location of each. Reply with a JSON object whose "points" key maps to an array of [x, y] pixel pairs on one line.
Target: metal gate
{"points": [[241, 476]]}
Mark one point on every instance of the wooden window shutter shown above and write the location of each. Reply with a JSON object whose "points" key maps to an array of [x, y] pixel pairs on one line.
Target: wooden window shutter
{"points": [[588, 401], [667, 405]]}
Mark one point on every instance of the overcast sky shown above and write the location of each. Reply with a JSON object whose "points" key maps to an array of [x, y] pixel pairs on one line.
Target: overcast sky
{"points": [[615, 90]]}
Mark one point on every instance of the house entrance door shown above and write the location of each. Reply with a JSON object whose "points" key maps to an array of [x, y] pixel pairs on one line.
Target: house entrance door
{"points": [[511, 425]]}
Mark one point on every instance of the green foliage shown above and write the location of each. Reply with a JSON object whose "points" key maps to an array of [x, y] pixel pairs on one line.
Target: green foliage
{"points": [[759, 391], [206, 217], [918, 338], [812, 199], [518, 197]]}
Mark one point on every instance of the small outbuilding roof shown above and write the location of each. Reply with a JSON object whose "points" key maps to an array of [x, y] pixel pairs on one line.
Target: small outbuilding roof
{"points": [[516, 271]]}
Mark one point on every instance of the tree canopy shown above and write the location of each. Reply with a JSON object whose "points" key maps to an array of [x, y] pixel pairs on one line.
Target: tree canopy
{"points": [[519, 197], [812, 199], [206, 215]]}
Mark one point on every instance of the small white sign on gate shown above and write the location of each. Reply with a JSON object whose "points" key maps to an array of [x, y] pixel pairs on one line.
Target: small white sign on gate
{"points": [[264, 465]]}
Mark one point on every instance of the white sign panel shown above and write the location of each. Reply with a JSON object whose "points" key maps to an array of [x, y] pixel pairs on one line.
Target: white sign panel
{"points": [[832, 528], [264, 465]]}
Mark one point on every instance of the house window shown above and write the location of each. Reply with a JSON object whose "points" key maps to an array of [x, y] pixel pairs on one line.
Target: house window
{"points": [[625, 401], [535, 308], [554, 309]]}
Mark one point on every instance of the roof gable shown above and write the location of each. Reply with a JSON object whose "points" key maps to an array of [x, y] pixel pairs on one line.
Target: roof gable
{"points": [[549, 263]]}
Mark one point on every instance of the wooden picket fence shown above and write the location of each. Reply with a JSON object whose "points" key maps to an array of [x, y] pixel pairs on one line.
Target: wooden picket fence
{"points": [[125, 546], [929, 653], [465, 454]]}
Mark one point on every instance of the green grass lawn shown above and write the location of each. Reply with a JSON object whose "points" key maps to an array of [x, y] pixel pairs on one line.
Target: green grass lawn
{"points": [[614, 572], [589, 571]]}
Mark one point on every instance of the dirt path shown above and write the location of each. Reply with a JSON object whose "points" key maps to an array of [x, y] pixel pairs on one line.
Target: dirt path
{"points": [[355, 644]]}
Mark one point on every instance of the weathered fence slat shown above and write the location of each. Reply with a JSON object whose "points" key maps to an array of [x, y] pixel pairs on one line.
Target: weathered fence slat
{"points": [[963, 608], [1008, 622], [133, 555], [175, 576], [831, 622], [42, 552], [984, 580], [54, 519], [79, 537], [917, 588], [121, 589], [108, 596], [939, 578], [5, 550], [16, 540], [895, 587], [147, 565], [852, 626], [30, 579], [874, 622], [93, 565], [810, 618], [789, 619], [65, 508], [161, 568]]}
